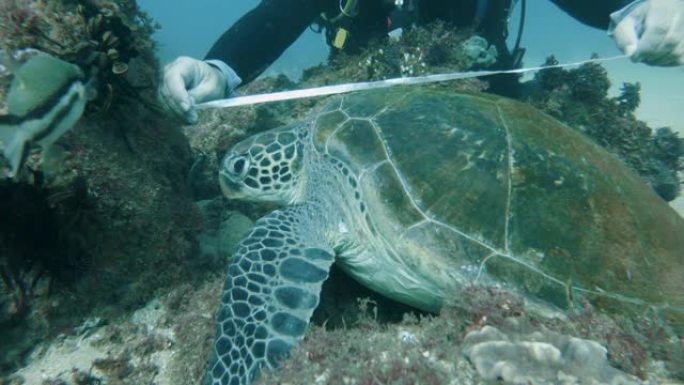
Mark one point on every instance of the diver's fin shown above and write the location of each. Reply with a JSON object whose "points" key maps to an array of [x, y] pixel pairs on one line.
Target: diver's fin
{"points": [[272, 289]]}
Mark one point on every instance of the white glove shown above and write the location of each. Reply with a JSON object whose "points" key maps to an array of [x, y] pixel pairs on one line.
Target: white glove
{"points": [[187, 81], [651, 31]]}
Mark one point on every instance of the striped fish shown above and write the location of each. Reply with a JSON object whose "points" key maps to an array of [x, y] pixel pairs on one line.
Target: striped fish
{"points": [[46, 98]]}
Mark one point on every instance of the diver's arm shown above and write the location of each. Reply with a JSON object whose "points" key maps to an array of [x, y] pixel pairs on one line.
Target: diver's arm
{"points": [[595, 13], [259, 37]]}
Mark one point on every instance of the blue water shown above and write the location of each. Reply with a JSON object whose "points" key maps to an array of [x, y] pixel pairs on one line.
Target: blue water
{"points": [[190, 28]]}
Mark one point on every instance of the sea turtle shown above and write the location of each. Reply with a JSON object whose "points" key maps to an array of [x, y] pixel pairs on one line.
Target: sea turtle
{"points": [[417, 193]]}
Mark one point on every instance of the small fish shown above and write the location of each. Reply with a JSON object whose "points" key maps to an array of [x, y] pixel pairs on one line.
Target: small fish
{"points": [[46, 98]]}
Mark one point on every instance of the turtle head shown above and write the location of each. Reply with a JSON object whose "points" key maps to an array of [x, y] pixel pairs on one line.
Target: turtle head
{"points": [[264, 167]]}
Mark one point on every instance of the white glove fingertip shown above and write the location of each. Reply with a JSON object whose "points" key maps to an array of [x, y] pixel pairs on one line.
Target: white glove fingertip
{"points": [[630, 50], [180, 104], [191, 117], [189, 111], [185, 105], [625, 36]]}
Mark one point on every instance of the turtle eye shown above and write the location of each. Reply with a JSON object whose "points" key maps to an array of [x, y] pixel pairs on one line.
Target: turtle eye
{"points": [[237, 165]]}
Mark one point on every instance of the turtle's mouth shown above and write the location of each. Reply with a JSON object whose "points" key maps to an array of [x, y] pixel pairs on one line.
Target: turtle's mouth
{"points": [[229, 187]]}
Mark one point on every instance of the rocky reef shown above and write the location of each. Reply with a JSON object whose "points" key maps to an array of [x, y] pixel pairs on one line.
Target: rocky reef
{"points": [[93, 225], [482, 338], [579, 98], [113, 242]]}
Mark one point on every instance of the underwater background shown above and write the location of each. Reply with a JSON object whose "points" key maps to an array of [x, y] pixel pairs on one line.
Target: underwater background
{"points": [[113, 249]]}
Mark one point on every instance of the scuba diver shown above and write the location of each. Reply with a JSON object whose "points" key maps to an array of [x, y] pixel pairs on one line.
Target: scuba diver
{"points": [[649, 31]]}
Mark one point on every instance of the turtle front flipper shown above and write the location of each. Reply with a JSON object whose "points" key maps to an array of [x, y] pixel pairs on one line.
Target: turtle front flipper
{"points": [[272, 289]]}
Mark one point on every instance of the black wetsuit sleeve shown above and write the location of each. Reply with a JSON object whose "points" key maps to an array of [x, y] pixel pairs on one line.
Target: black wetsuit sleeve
{"points": [[595, 13], [259, 37]]}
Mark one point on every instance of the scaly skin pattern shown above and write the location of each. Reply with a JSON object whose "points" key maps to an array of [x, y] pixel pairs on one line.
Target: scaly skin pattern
{"points": [[272, 289], [275, 277]]}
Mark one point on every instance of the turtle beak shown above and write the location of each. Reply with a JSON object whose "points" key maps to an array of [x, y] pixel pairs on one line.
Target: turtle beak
{"points": [[230, 188]]}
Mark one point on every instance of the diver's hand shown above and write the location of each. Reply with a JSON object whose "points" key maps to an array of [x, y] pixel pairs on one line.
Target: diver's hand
{"points": [[187, 81], [651, 31]]}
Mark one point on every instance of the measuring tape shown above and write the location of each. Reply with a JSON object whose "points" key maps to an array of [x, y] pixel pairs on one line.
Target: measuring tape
{"points": [[362, 86]]}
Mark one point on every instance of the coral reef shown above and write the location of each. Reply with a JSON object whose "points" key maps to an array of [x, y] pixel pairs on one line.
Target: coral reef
{"points": [[106, 218], [632, 343], [167, 341], [130, 351], [579, 98]]}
